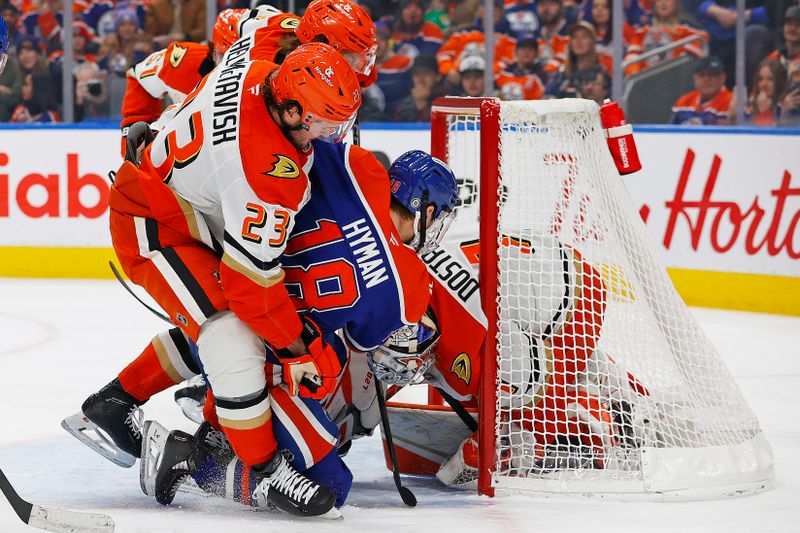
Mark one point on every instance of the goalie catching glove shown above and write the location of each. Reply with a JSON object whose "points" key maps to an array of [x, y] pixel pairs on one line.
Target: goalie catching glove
{"points": [[313, 374], [407, 354]]}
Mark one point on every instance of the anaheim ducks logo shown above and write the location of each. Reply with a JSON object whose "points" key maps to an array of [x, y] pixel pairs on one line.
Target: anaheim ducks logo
{"points": [[462, 367], [176, 56], [290, 23], [283, 167]]}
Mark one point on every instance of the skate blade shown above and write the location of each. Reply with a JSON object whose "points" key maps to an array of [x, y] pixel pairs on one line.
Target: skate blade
{"points": [[154, 438], [333, 514], [92, 436]]}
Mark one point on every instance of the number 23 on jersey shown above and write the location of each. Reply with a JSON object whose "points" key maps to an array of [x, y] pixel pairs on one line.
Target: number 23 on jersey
{"points": [[258, 218]]}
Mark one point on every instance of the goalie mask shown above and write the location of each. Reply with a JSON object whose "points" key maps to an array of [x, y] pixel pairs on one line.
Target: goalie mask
{"points": [[406, 355], [419, 180]]}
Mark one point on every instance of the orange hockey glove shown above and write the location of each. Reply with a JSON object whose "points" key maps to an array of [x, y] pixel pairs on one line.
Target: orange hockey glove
{"points": [[313, 374]]}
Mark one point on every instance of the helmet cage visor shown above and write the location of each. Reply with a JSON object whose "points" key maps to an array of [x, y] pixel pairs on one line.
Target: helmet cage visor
{"points": [[327, 130], [362, 61], [426, 239]]}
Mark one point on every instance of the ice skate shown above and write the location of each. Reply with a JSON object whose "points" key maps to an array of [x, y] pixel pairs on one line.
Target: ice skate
{"points": [[288, 490], [110, 423]]}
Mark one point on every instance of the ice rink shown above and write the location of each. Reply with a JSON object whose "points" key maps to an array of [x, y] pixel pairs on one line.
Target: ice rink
{"points": [[61, 340]]}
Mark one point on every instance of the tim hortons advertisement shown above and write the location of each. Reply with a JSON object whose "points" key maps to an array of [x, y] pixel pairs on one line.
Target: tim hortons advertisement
{"points": [[718, 202]]}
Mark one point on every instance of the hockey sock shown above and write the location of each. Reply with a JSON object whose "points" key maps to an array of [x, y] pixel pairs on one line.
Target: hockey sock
{"points": [[166, 361]]}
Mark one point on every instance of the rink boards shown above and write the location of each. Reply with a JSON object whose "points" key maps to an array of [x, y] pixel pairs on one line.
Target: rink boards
{"points": [[722, 206]]}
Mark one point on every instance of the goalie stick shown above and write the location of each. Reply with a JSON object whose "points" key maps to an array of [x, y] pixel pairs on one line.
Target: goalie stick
{"points": [[405, 494], [57, 520]]}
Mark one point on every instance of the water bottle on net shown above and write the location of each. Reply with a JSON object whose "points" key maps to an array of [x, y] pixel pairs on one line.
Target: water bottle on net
{"points": [[619, 136]]}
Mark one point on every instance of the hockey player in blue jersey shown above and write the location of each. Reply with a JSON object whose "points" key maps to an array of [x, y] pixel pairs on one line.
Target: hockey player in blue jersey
{"points": [[352, 264]]}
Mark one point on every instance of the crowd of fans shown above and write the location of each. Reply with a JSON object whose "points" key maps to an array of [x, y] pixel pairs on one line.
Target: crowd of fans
{"points": [[429, 48]]}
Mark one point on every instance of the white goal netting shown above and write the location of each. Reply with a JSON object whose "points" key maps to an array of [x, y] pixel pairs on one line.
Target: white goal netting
{"points": [[605, 382]]}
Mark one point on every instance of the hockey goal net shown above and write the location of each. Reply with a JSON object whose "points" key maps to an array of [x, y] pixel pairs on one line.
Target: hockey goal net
{"points": [[597, 380]]}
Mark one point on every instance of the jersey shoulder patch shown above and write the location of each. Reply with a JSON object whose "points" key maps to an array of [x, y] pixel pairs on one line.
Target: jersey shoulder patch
{"points": [[181, 67], [272, 165]]}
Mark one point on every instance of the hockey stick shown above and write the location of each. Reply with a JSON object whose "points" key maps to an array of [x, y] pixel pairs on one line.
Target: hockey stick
{"points": [[459, 409], [56, 520], [406, 495], [127, 288]]}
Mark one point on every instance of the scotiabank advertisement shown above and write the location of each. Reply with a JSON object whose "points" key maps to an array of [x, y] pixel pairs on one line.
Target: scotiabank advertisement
{"points": [[54, 186], [726, 202]]}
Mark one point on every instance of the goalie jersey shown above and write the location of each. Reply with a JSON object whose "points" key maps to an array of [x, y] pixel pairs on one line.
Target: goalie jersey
{"points": [[345, 264]]}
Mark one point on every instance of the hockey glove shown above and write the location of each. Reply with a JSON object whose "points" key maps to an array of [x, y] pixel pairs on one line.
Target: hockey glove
{"points": [[313, 374]]}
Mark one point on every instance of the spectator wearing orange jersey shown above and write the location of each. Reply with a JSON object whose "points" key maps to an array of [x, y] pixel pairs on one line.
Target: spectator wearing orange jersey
{"points": [[581, 56], [667, 26], [527, 76], [413, 35], [710, 102], [763, 106], [790, 53], [471, 41]]}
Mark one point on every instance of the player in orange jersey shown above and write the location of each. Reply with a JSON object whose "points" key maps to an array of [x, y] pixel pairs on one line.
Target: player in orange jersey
{"points": [[201, 226], [268, 34]]}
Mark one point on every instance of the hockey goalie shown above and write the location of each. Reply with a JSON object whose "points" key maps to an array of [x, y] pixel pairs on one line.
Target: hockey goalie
{"points": [[565, 403]]}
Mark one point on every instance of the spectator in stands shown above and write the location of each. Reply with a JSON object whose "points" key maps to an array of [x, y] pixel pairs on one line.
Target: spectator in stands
{"points": [[594, 84], [412, 34], [437, 14], [581, 57], [763, 105], [790, 103], [790, 53], [552, 20], [394, 71], [91, 96], [472, 69], [470, 41], [10, 14], [176, 20], [416, 107], [463, 14], [527, 76], [38, 101], [668, 25], [710, 102], [44, 22], [553, 34], [520, 18], [83, 46], [636, 11], [29, 56], [121, 50], [10, 88], [719, 20]]}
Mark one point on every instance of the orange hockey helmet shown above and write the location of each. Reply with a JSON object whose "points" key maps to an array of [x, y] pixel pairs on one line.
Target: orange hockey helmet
{"points": [[320, 80], [226, 29], [346, 27]]}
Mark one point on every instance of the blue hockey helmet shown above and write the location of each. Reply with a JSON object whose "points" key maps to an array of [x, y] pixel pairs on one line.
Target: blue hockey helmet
{"points": [[3, 44], [419, 180]]}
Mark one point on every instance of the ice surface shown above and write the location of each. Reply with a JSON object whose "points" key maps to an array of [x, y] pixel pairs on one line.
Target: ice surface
{"points": [[60, 340]]}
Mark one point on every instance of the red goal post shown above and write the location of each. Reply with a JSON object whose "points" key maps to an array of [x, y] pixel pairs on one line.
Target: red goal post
{"points": [[487, 113]]}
